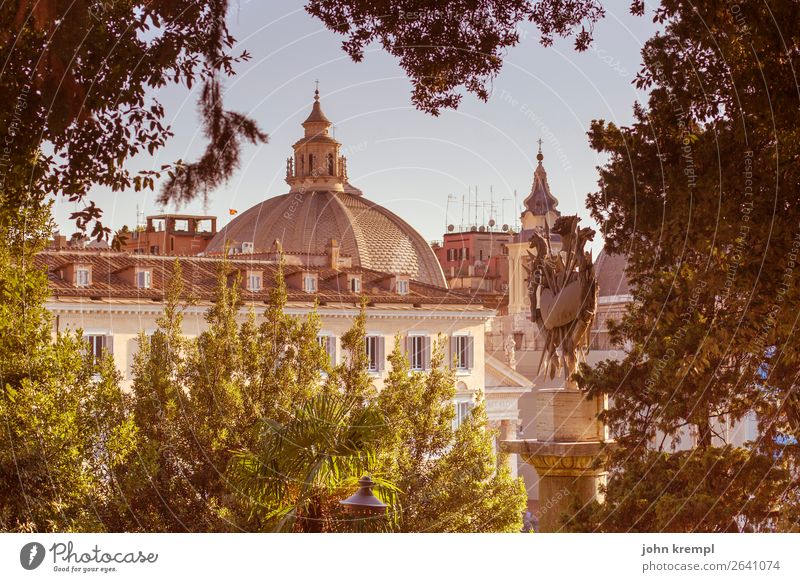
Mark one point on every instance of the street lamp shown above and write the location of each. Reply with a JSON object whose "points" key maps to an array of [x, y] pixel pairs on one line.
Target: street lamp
{"points": [[364, 500]]}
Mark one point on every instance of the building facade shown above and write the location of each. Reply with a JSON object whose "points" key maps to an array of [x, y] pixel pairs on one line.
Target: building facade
{"points": [[338, 249], [171, 234]]}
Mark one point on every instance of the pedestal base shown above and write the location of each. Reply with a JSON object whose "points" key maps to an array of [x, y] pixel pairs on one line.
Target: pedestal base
{"points": [[568, 472]]}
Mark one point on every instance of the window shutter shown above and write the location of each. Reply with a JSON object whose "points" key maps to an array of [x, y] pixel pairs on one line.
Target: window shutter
{"points": [[108, 344], [453, 347], [470, 352], [426, 361], [409, 347], [381, 352]]}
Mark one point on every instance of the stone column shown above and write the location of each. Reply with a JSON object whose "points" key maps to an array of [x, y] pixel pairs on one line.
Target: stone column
{"points": [[568, 452], [508, 432]]}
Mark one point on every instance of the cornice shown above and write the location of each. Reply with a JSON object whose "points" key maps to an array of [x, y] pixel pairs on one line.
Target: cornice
{"points": [[156, 309]]}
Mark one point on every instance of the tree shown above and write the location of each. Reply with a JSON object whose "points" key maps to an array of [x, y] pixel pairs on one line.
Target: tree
{"points": [[443, 47], [700, 193], [294, 477], [65, 427], [322, 435], [448, 478], [282, 361], [161, 489], [78, 81]]}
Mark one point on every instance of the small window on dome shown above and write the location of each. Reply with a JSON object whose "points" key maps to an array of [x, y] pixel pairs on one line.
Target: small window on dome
{"points": [[402, 286]]}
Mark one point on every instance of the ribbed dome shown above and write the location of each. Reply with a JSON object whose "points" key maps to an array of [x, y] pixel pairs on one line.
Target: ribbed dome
{"points": [[304, 222], [611, 278]]}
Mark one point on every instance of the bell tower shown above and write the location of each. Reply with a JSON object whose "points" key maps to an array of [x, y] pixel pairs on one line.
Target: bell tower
{"points": [[317, 164], [540, 205]]}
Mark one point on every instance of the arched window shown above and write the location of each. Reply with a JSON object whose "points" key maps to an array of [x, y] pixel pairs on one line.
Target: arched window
{"points": [[330, 164], [301, 166], [311, 167]]}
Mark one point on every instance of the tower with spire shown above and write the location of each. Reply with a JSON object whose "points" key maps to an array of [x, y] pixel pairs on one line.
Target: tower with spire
{"points": [[539, 214], [540, 205], [317, 164]]}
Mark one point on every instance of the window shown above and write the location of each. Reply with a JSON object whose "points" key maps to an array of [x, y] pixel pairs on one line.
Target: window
{"points": [[309, 283], [328, 343], [154, 249], [463, 410], [375, 347], [418, 350], [450, 255], [355, 284], [81, 277], [98, 345], [253, 282], [330, 164], [402, 287], [462, 351], [144, 279]]}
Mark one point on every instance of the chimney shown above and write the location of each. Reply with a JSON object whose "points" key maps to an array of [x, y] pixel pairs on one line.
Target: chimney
{"points": [[332, 250]]}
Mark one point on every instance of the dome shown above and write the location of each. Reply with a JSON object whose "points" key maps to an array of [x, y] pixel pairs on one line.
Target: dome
{"points": [[322, 205], [611, 278], [371, 235]]}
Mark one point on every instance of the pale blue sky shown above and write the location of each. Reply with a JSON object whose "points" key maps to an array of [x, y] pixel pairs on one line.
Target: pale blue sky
{"points": [[400, 157]]}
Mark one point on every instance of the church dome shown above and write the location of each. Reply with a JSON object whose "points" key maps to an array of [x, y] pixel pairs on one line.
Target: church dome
{"points": [[322, 205], [611, 278], [372, 236]]}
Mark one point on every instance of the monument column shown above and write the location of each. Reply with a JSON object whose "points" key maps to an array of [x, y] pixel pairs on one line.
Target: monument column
{"points": [[568, 452]]}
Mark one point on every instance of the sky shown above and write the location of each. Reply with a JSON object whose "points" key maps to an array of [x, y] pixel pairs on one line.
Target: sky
{"points": [[419, 166]]}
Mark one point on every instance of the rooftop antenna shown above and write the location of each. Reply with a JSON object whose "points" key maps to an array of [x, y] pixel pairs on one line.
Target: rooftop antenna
{"points": [[462, 213], [516, 210], [139, 217], [476, 206], [447, 210], [491, 202], [503, 209]]}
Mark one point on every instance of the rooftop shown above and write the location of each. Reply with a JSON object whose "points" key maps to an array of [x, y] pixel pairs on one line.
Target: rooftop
{"points": [[200, 277]]}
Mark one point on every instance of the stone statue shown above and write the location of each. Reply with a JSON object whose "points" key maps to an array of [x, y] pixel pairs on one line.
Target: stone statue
{"points": [[509, 347], [563, 293]]}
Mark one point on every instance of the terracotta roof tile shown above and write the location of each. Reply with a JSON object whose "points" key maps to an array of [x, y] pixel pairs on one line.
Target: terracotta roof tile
{"points": [[200, 276]]}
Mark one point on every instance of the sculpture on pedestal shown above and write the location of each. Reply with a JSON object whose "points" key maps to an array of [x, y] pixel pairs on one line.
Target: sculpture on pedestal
{"points": [[509, 347], [563, 294]]}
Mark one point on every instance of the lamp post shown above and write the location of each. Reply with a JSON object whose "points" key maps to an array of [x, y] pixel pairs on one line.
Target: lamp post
{"points": [[364, 499], [364, 503]]}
